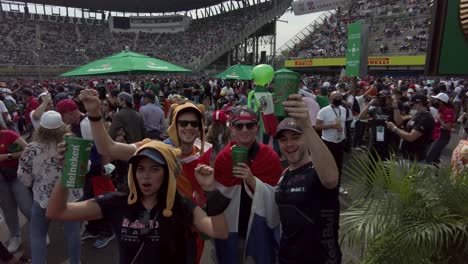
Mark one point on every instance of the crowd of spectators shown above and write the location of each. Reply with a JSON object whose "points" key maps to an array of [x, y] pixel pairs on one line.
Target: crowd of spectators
{"points": [[28, 41], [397, 27]]}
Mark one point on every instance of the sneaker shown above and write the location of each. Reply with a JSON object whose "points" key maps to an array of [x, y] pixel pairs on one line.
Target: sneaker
{"points": [[87, 235], [343, 191], [103, 241], [14, 243]]}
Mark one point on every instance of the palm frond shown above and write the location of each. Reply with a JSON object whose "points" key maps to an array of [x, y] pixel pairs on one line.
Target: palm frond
{"points": [[405, 212]]}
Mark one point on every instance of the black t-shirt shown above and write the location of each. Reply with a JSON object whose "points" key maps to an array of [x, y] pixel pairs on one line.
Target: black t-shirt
{"points": [[416, 150], [379, 117], [309, 215], [133, 225]]}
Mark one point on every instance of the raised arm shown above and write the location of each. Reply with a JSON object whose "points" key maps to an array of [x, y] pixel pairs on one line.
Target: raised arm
{"points": [[321, 157], [42, 107], [59, 209], [214, 225], [105, 145]]}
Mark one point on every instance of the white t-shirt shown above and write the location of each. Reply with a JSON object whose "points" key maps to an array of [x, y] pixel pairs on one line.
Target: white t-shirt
{"points": [[228, 91], [457, 92], [3, 109], [85, 127], [329, 115], [34, 122]]}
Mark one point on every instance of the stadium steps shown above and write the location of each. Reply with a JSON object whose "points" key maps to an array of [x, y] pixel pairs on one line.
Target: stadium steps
{"points": [[135, 40], [200, 63], [78, 33]]}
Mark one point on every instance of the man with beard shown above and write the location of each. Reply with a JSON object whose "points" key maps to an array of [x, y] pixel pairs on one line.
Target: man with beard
{"points": [[331, 121], [307, 195]]}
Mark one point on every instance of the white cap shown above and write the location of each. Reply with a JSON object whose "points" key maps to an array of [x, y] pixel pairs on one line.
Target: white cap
{"points": [[441, 96], [51, 120], [5, 90], [326, 84], [410, 90]]}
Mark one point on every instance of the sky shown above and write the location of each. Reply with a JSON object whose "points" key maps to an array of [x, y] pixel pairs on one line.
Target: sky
{"points": [[285, 31]]}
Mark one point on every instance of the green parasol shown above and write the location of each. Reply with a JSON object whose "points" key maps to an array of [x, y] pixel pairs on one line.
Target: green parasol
{"points": [[237, 72], [123, 63], [284, 70]]}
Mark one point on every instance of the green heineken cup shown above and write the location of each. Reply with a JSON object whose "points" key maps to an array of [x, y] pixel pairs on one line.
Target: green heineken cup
{"points": [[76, 162], [286, 83], [239, 155]]}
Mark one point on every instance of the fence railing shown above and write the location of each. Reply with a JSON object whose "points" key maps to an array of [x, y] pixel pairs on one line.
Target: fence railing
{"points": [[252, 27]]}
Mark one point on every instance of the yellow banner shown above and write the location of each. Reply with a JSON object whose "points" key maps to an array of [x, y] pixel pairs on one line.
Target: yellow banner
{"points": [[372, 61]]}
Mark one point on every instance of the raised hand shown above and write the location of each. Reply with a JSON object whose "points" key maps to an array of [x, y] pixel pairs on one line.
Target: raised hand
{"points": [[91, 101], [205, 177], [297, 109]]}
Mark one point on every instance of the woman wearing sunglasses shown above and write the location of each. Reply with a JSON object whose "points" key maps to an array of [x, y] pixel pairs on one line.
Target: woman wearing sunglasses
{"points": [[153, 223]]}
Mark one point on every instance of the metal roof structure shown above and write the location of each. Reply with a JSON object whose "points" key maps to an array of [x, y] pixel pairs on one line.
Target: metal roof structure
{"points": [[135, 6]]}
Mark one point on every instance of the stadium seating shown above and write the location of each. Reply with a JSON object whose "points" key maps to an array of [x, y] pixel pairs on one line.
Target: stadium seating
{"points": [[52, 41], [398, 27]]}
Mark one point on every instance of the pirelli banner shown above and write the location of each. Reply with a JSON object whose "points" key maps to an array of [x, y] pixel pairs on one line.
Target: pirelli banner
{"points": [[372, 61]]}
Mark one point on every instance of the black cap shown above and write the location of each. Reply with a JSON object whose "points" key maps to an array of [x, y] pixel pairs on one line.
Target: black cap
{"points": [[419, 98], [288, 124], [150, 96], [150, 153]]}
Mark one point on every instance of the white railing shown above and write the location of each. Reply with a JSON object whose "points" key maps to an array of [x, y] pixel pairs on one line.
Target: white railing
{"points": [[252, 27]]}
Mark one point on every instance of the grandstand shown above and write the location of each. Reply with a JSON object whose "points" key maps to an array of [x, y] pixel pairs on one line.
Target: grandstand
{"points": [[398, 28], [57, 40]]}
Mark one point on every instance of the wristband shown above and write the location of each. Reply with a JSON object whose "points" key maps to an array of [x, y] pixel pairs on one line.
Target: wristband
{"points": [[94, 118], [9, 156], [216, 203]]}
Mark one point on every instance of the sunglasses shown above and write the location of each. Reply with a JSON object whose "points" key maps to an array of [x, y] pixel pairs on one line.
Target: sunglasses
{"points": [[184, 123], [249, 126]]}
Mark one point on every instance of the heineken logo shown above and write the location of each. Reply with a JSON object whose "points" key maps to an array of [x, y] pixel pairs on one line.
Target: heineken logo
{"points": [[153, 65], [232, 75], [103, 67], [74, 163]]}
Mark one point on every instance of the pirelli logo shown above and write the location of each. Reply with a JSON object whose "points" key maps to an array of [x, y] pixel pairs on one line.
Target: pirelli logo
{"points": [[304, 63], [379, 61]]}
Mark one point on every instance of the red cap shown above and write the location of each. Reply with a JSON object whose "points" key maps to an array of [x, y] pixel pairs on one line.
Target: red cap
{"points": [[244, 114], [65, 106], [219, 117]]}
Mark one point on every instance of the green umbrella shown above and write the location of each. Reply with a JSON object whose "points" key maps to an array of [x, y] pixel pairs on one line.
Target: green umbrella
{"points": [[237, 72], [284, 70], [123, 63]]}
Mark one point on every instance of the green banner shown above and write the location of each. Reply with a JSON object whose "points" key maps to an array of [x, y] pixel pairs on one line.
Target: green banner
{"points": [[353, 52], [454, 52]]}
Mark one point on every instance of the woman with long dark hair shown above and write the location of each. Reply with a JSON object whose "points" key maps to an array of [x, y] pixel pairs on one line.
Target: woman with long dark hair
{"points": [[153, 223]]}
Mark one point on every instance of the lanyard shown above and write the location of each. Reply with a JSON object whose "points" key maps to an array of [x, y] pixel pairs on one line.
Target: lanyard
{"points": [[339, 111]]}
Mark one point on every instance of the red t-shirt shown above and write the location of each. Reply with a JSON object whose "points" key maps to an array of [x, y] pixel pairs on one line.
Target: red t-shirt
{"points": [[447, 115], [7, 138], [31, 105]]}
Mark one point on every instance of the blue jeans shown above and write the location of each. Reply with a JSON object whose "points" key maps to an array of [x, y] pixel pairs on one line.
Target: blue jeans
{"points": [[39, 228], [14, 194]]}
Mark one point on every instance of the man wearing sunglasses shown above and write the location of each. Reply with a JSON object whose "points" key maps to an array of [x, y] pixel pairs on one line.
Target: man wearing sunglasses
{"points": [[252, 216], [418, 133]]}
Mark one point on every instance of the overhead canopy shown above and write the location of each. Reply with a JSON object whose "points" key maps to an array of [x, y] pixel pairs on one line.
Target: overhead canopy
{"points": [[123, 63], [237, 72], [141, 6]]}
